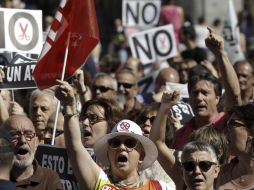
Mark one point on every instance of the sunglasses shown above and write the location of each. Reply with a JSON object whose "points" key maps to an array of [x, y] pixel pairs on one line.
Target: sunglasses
{"points": [[129, 143], [203, 165], [125, 85], [143, 119], [101, 88], [92, 118], [15, 136]]}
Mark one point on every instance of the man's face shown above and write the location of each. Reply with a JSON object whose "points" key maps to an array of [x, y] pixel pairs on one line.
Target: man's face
{"points": [[24, 141], [245, 77], [146, 121], [203, 99], [126, 85], [103, 88], [199, 177]]}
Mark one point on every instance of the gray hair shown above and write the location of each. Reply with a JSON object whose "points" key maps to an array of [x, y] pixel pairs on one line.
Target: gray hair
{"points": [[107, 76], [198, 146], [48, 92]]}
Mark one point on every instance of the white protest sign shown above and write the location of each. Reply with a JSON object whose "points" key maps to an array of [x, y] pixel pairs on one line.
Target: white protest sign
{"points": [[140, 12], [231, 34], [21, 30], [183, 89], [154, 44]]}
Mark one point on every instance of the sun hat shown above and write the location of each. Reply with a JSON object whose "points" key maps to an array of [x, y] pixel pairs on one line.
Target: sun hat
{"points": [[126, 128]]}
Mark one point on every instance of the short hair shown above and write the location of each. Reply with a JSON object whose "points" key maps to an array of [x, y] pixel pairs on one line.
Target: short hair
{"points": [[6, 150], [105, 75], [195, 146], [214, 137], [244, 62], [48, 92], [112, 111], [207, 77], [126, 71]]}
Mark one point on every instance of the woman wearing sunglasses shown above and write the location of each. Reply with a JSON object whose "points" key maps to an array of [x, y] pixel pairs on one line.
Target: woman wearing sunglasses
{"points": [[200, 166], [125, 150], [239, 173]]}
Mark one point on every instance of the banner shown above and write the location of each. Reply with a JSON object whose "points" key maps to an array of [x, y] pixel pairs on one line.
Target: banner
{"points": [[18, 73], [140, 13], [56, 159], [231, 34], [21, 30], [154, 44]]}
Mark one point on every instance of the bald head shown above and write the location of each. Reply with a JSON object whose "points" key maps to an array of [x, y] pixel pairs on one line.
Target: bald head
{"points": [[18, 121], [167, 75]]}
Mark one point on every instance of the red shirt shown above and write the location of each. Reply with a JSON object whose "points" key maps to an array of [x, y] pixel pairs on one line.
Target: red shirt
{"points": [[183, 134]]}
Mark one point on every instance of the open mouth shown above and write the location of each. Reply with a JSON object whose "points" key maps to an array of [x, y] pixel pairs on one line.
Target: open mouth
{"points": [[122, 159], [197, 180], [146, 132], [87, 134], [22, 151], [200, 107]]}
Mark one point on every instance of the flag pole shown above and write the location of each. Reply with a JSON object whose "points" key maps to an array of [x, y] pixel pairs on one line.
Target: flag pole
{"points": [[62, 78]]}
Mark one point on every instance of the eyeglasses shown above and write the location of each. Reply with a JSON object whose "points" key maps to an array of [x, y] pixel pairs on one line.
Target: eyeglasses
{"points": [[92, 118], [16, 135], [203, 165], [125, 85], [129, 143], [101, 88], [143, 119]]}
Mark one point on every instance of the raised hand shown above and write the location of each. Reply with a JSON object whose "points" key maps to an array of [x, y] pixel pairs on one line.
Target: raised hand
{"points": [[170, 98], [65, 93], [214, 42]]}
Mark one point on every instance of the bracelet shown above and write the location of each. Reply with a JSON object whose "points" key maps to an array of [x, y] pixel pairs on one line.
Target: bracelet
{"points": [[71, 115]]}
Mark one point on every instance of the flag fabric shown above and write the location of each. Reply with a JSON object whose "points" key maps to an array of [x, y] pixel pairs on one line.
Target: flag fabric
{"points": [[75, 20], [231, 34]]}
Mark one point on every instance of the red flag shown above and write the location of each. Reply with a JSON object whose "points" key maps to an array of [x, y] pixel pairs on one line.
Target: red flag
{"points": [[76, 19]]}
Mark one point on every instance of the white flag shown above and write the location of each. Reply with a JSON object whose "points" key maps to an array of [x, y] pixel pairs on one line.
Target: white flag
{"points": [[231, 34]]}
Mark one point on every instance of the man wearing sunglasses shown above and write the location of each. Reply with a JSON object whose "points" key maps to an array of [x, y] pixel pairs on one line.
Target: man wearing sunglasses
{"points": [[199, 166], [127, 87], [26, 172], [104, 86]]}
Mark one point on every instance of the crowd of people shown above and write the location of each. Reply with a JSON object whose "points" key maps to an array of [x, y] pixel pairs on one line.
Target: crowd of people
{"points": [[119, 137]]}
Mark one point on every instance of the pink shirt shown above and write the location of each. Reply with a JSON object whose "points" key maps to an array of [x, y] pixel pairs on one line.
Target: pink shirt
{"points": [[183, 134]]}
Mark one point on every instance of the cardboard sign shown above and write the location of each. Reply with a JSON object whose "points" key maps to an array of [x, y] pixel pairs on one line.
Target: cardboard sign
{"points": [[140, 13], [154, 44], [18, 74], [21, 30], [56, 159]]}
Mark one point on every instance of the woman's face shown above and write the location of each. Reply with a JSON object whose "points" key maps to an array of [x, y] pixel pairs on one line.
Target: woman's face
{"points": [[125, 156], [238, 135], [93, 125]]}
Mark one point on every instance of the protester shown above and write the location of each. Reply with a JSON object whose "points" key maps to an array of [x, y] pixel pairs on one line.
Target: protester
{"points": [[26, 172], [128, 88], [96, 120], [6, 160], [48, 131], [205, 92], [239, 173], [244, 71], [125, 150], [104, 86], [135, 66], [199, 165], [41, 106]]}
